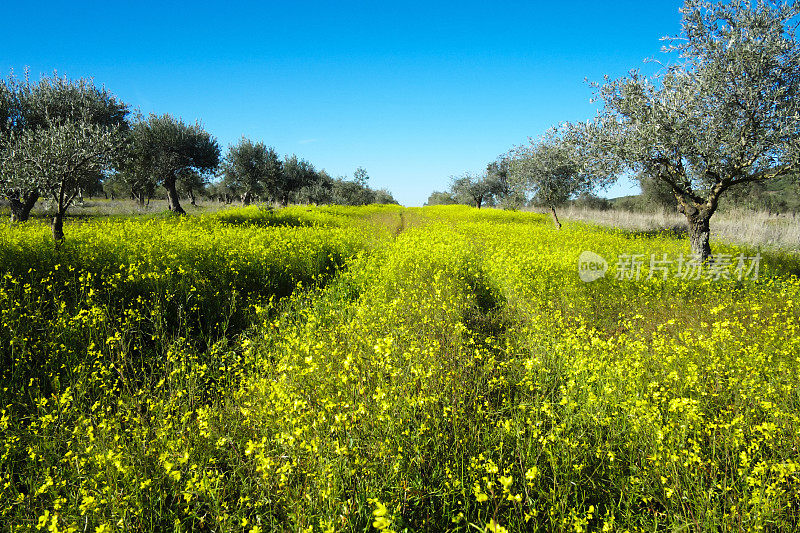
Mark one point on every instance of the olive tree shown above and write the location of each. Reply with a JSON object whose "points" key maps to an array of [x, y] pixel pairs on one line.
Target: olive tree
{"points": [[59, 161], [472, 189], [321, 191], [21, 200], [251, 169], [656, 193], [163, 149], [140, 184], [551, 168], [33, 108], [191, 183], [351, 192], [355, 191], [725, 113], [297, 173], [441, 198]]}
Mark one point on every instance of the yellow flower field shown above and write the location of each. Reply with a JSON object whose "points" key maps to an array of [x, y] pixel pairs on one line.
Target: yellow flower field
{"points": [[380, 368]]}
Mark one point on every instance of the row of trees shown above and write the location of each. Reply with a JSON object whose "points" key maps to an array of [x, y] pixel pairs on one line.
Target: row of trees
{"points": [[60, 138], [254, 171], [722, 116], [490, 188]]}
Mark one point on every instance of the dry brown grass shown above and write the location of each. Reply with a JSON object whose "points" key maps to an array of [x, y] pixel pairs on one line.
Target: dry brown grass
{"points": [[101, 207], [753, 228]]}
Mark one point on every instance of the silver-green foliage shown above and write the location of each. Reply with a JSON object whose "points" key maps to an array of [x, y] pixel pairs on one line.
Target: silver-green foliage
{"points": [[471, 189], [164, 149], [551, 168], [59, 161], [57, 136], [723, 113], [252, 169]]}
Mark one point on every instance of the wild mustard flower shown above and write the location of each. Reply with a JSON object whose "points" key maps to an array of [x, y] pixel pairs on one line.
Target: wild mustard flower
{"points": [[235, 364]]}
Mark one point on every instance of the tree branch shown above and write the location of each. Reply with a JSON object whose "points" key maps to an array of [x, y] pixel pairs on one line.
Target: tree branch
{"points": [[775, 172]]}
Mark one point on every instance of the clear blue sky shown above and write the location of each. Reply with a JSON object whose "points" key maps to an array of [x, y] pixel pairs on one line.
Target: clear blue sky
{"points": [[415, 92]]}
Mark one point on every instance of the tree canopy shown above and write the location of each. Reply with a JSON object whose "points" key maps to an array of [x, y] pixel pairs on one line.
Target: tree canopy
{"points": [[61, 160], [723, 114], [252, 169], [551, 169], [470, 188], [36, 119], [164, 148]]}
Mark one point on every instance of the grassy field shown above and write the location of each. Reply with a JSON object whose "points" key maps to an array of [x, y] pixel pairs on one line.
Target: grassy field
{"points": [[381, 368], [738, 226]]}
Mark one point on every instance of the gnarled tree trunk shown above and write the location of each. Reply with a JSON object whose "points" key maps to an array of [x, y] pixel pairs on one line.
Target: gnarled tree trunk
{"points": [[698, 219], [57, 227], [21, 207], [173, 201], [699, 234]]}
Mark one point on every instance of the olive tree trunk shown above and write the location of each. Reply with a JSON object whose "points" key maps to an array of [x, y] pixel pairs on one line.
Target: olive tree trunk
{"points": [[697, 218], [555, 217], [64, 200], [173, 202], [699, 234], [21, 208], [57, 227]]}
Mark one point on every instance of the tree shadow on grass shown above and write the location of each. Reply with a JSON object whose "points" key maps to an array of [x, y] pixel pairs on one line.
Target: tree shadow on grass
{"points": [[269, 217], [677, 231]]}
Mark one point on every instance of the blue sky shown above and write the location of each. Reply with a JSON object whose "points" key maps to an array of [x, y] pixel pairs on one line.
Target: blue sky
{"points": [[415, 92]]}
